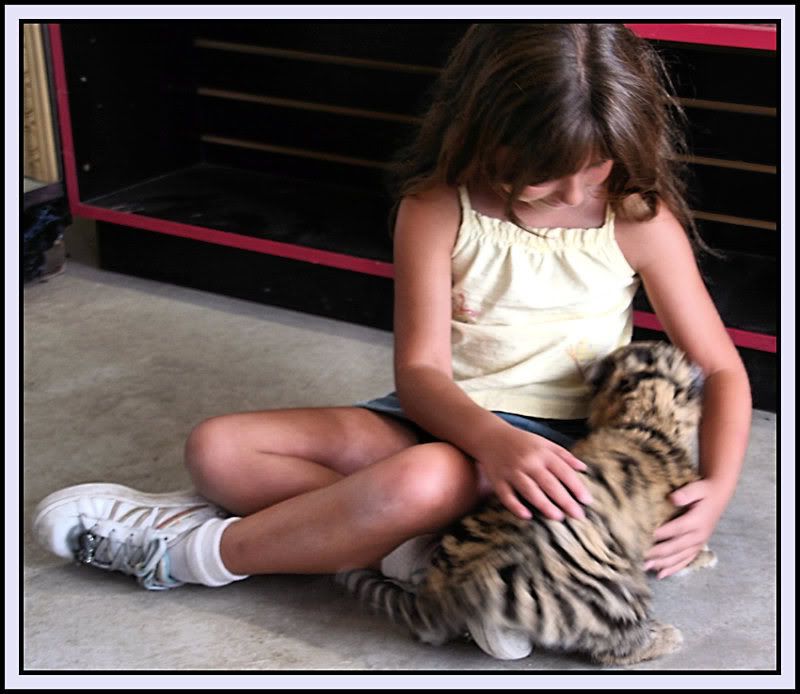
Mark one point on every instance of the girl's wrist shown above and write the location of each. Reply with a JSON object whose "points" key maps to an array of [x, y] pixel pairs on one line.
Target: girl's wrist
{"points": [[484, 435], [720, 490]]}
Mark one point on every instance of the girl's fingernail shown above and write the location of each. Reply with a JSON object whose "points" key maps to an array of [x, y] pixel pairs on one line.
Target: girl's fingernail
{"points": [[647, 566]]}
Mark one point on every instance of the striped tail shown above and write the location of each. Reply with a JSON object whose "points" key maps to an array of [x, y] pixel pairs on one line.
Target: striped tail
{"points": [[384, 595]]}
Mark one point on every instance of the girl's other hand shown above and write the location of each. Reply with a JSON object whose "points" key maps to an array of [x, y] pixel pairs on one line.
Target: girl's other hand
{"points": [[521, 464], [677, 542]]}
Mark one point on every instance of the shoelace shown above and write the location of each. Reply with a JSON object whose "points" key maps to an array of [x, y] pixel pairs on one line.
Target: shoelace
{"points": [[147, 560]]}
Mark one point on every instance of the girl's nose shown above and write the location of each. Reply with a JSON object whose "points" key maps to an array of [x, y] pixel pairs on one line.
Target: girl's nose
{"points": [[571, 190]]}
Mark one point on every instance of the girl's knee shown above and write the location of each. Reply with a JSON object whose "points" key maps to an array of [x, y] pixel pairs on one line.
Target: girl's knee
{"points": [[210, 450], [435, 480]]}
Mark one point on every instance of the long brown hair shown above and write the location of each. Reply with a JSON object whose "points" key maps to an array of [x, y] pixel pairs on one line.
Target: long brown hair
{"points": [[551, 95]]}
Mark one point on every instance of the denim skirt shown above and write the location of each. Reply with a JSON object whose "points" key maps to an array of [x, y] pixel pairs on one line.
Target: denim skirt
{"points": [[564, 432]]}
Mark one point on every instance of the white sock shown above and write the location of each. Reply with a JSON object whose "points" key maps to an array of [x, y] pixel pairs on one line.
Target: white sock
{"points": [[195, 558]]}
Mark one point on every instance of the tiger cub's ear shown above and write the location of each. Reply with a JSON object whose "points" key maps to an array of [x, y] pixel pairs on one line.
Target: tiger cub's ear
{"points": [[597, 373], [698, 379]]}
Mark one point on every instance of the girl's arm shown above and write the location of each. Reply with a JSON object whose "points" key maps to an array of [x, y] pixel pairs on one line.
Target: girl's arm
{"points": [[660, 252], [513, 460]]}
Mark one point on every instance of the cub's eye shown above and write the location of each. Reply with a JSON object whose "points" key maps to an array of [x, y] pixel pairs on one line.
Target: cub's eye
{"points": [[626, 385]]}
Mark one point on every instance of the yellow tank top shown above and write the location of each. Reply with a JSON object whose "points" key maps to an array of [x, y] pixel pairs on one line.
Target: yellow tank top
{"points": [[529, 308]]}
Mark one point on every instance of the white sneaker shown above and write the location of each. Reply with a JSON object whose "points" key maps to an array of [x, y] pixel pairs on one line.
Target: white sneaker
{"points": [[120, 529], [500, 642]]}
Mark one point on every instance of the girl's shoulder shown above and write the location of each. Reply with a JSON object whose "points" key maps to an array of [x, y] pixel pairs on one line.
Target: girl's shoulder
{"points": [[435, 210], [643, 237], [425, 233], [439, 199]]}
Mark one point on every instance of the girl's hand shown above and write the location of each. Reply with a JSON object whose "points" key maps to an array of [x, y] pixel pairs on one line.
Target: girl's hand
{"points": [[538, 470], [678, 541]]}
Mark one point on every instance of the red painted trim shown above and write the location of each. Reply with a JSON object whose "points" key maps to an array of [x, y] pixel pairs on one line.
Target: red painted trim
{"points": [[741, 338], [736, 35], [65, 123], [247, 243], [641, 319]]}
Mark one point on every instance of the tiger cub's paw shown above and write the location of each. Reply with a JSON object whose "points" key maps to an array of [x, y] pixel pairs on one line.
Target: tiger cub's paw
{"points": [[665, 639], [653, 640], [705, 559]]}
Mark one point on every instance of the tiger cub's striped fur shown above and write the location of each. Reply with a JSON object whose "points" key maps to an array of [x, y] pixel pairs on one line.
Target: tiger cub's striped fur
{"points": [[574, 585]]}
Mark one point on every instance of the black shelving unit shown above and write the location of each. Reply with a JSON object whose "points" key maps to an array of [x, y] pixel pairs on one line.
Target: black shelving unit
{"points": [[249, 157]]}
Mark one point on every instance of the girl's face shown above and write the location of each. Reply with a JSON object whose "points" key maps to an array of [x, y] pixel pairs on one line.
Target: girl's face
{"points": [[569, 191]]}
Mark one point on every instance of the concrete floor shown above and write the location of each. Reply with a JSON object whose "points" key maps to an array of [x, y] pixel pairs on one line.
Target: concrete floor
{"points": [[117, 370]]}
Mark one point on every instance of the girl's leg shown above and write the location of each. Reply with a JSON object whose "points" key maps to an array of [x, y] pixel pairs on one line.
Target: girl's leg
{"points": [[358, 519], [346, 511], [324, 489], [247, 462]]}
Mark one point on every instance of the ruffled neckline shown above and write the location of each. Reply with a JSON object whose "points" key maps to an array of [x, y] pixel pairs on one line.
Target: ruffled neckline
{"points": [[481, 226]]}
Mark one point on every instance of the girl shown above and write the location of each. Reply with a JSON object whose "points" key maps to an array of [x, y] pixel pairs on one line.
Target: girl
{"points": [[542, 187]]}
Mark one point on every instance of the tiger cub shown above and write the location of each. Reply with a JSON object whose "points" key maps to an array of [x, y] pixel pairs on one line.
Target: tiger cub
{"points": [[572, 585]]}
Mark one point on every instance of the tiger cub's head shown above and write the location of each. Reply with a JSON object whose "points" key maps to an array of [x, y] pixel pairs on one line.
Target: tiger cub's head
{"points": [[647, 383]]}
